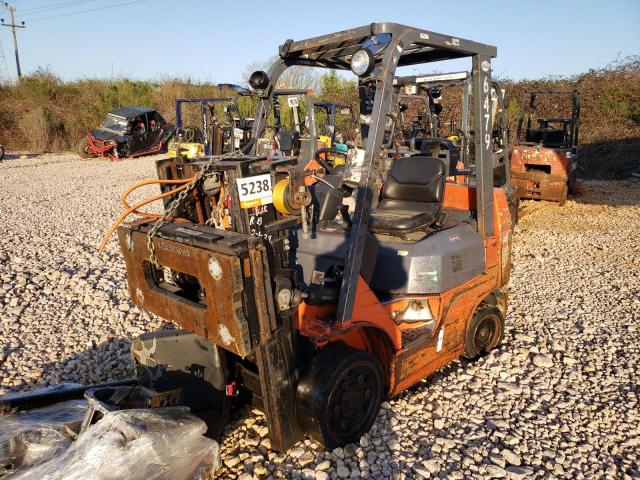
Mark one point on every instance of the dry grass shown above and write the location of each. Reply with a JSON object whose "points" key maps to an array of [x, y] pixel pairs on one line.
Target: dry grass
{"points": [[43, 113], [34, 125]]}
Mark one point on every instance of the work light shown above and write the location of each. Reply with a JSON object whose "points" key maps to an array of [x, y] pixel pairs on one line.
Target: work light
{"points": [[259, 80], [362, 62]]}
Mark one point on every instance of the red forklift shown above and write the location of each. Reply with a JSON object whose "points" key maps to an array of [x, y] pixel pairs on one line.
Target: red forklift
{"points": [[544, 158], [315, 303]]}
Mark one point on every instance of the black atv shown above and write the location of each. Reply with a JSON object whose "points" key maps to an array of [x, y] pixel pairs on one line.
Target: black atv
{"points": [[128, 132]]}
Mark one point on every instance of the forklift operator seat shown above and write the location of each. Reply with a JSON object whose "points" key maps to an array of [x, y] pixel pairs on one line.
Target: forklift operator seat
{"points": [[288, 141], [412, 196], [547, 135]]}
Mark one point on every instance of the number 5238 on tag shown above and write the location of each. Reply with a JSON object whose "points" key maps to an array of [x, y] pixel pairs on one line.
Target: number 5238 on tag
{"points": [[255, 191]]}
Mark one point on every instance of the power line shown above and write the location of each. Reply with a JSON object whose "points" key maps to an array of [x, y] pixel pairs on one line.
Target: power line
{"points": [[87, 11], [54, 6]]}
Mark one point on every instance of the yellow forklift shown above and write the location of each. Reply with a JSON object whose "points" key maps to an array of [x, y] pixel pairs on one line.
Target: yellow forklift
{"points": [[218, 132]]}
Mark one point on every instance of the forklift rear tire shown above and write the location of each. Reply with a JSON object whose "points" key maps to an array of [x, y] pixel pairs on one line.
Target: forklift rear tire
{"points": [[565, 194], [485, 331], [339, 397]]}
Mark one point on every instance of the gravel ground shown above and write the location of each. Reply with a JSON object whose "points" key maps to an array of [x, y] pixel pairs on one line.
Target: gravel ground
{"points": [[559, 398]]}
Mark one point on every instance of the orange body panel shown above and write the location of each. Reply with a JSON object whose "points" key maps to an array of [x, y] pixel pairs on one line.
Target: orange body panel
{"points": [[313, 321], [459, 197], [411, 352]]}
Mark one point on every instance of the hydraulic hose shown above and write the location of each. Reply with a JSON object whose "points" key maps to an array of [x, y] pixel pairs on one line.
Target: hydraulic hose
{"points": [[135, 208]]}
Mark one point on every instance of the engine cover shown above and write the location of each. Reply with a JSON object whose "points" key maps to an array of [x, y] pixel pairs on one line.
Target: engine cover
{"points": [[436, 263]]}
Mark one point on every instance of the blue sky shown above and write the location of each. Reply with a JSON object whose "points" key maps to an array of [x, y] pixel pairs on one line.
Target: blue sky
{"points": [[217, 40]]}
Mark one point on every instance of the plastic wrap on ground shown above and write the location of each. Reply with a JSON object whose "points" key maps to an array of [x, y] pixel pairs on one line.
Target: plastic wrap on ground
{"points": [[34, 435], [149, 444]]}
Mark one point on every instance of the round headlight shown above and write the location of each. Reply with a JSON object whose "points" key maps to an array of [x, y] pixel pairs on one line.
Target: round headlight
{"points": [[259, 80], [362, 62], [435, 92]]}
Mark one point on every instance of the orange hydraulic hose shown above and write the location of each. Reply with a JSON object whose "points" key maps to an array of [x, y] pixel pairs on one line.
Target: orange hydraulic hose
{"points": [[134, 209]]}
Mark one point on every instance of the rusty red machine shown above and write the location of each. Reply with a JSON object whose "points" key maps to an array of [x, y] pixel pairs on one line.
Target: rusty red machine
{"points": [[544, 158], [314, 301]]}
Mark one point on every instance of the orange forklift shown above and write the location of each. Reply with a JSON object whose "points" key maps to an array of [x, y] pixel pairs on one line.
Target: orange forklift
{"points": [[544, 158], [315, 303]]}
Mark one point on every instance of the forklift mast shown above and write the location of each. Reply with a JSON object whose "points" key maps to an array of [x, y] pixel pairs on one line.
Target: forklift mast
{"points": [[332, 109], [404, 46], [308, 151]]}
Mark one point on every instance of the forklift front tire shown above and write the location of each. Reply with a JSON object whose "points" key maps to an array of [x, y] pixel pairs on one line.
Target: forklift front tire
{"points": [[339, 397], [485, 331]]}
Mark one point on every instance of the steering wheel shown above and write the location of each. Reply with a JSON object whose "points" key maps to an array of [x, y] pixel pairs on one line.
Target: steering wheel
{"points": [[323, 162]]}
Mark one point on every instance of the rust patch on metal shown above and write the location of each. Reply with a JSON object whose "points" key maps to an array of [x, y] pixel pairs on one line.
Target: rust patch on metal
{"points": [[540, 173], [218, 316]]}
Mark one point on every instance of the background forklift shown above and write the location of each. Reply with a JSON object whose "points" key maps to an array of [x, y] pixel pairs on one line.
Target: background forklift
{"points": [[219, 131], [333, 116], [544, 158], [453, 140], [335, 124], [314, 314], [294, 132]]}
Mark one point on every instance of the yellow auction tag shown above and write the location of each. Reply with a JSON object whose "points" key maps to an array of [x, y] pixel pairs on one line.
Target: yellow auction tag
{"points": [[255, 191]]}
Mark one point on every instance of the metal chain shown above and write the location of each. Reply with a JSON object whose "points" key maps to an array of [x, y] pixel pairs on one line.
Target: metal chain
{"points": [[173, 206], [218, 212]]}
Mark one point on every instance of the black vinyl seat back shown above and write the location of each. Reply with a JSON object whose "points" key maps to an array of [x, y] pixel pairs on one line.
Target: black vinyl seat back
{"points": [[288, 141], [545, 136], [416, 179], [412, 196]]}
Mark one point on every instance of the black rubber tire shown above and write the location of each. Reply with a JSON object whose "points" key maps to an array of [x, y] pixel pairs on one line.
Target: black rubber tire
{"points": [[1, 152], [83, 149], [485, 331], [515, 212], [339, 397], [514, 209], [572, 183], [565, 194]]}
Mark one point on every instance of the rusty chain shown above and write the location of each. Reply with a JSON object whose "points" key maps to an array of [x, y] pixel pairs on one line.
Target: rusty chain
{"points": [[175, 203]]}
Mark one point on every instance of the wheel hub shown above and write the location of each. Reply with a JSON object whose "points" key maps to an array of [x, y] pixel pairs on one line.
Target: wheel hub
{"points": [[350, 401], [485, 333]]}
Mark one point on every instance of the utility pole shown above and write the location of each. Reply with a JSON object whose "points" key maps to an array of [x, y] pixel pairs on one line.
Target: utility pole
{"points": [[12, 11]]}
